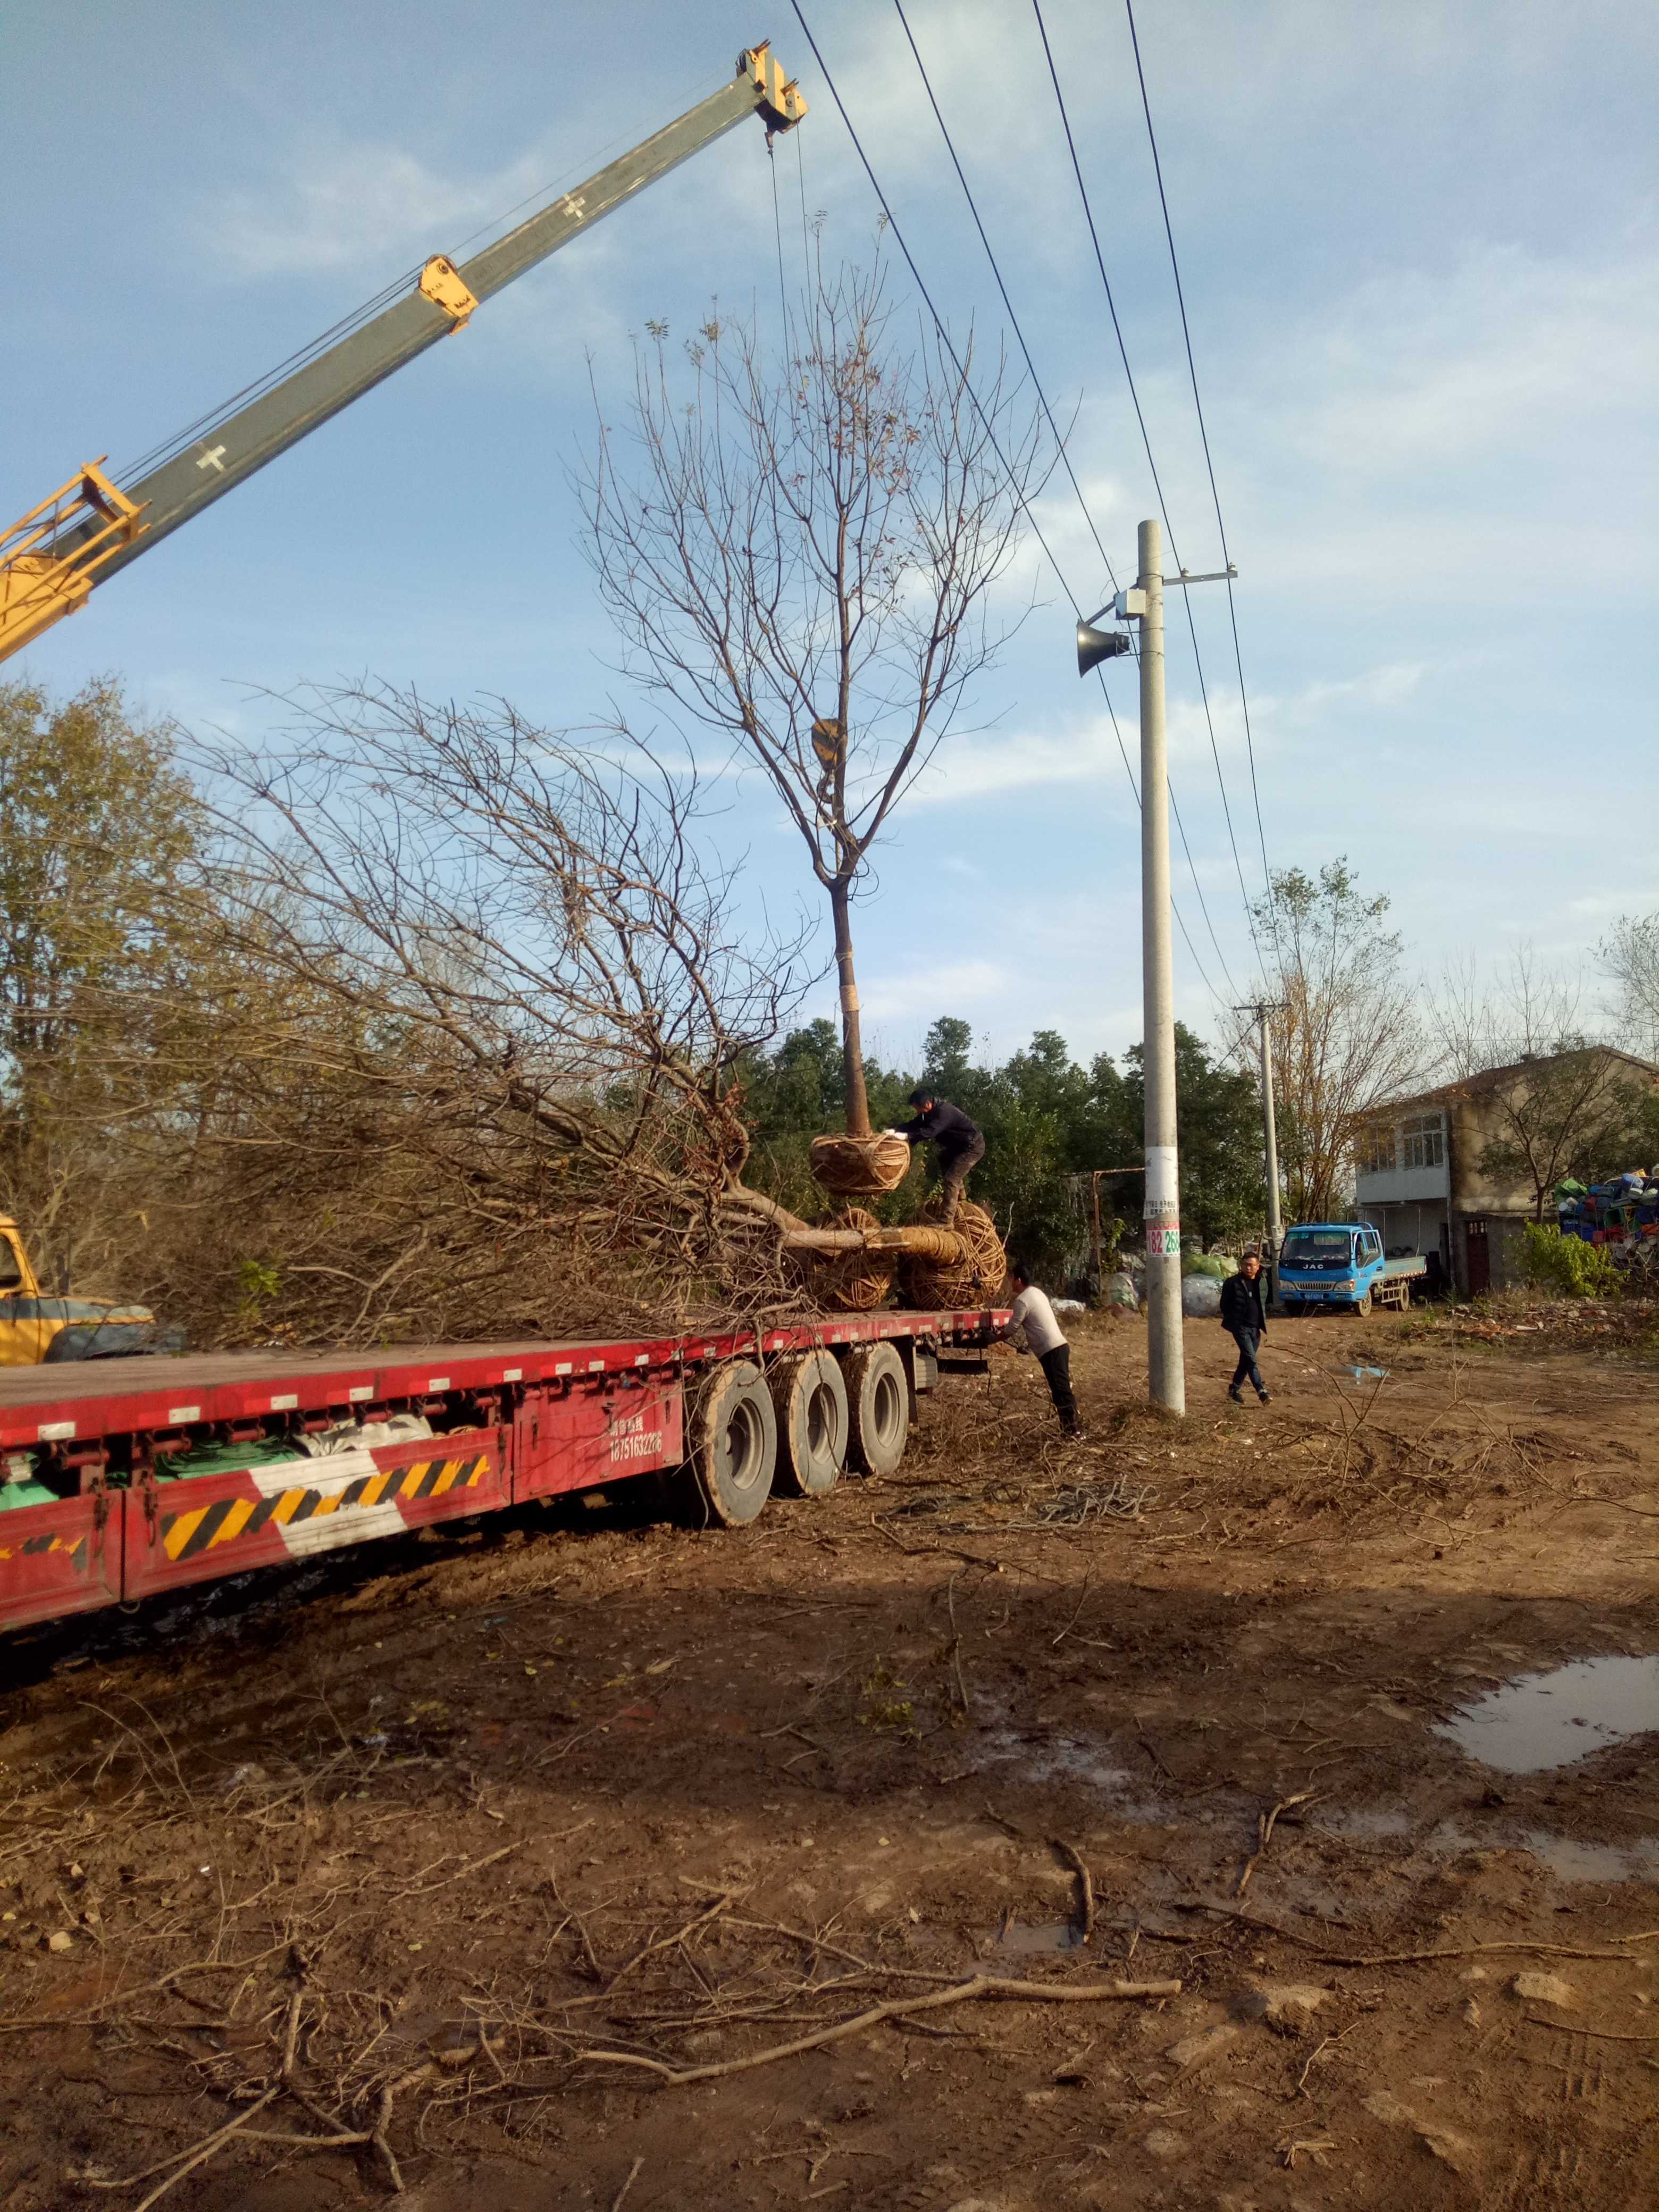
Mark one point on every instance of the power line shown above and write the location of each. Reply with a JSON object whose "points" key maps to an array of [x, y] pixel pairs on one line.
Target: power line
{"points": [[938, 320], [1204, 435], [1019, 334], [945, 339], [1146, 443]]}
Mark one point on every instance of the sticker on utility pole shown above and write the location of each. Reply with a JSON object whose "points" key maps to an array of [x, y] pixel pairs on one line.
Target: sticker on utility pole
{"points": [[1162, 1212]]}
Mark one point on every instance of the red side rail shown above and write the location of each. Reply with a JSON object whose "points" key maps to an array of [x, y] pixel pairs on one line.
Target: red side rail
{"points": [[520, 1421]]}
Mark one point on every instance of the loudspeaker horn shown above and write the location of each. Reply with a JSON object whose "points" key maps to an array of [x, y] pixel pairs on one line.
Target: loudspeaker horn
{"points": [[1094, 645]]}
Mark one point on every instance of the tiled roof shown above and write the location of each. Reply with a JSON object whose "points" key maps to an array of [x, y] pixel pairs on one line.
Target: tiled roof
{"points": [[1485, 1080]]}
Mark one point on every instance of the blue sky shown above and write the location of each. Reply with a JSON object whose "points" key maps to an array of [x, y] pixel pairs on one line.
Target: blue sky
{"points": [[1420, 246]]}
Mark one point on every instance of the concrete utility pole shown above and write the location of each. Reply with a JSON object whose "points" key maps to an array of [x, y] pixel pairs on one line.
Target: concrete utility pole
{"points": [[1167, 1374], [1167, 1371], [1270, 1139]]}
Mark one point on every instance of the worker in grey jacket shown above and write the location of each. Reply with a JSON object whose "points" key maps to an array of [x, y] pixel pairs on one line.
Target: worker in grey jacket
{"points": [[1034, 1321]]}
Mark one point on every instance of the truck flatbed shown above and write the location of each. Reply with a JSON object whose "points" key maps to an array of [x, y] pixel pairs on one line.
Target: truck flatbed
{"points": [[136, 1475]]}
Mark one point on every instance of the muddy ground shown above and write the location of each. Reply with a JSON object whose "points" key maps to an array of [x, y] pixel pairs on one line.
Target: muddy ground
{"points": [[433, 1864]]}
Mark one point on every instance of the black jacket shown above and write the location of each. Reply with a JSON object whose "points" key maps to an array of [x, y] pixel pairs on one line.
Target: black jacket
{"points": [[947, 1126], [1241, 1305]]}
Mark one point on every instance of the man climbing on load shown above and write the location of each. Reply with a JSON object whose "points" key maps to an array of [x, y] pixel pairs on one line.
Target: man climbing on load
{"points": [[958, 1144]]}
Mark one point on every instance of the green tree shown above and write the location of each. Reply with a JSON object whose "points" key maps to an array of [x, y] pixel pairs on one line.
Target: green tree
{"points": [[97, 830], [944, 1061], [1224, 1190]]}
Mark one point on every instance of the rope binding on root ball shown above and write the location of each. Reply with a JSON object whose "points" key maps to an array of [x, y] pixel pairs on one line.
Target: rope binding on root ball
{"points": [[850, 1282], [972, 1280], [859, 1167]]}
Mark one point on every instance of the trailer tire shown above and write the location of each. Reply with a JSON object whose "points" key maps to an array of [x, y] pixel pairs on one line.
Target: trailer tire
{"points": [[879, 1396], [734, 1443], [809, 1393]]}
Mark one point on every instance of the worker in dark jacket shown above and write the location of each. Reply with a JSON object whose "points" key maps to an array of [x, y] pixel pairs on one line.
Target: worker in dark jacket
{"points": [[957, 1141], [1245, 1321]]}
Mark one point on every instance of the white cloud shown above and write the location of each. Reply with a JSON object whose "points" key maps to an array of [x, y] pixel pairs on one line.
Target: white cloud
{"points": [[930, 985], [349, 206]]}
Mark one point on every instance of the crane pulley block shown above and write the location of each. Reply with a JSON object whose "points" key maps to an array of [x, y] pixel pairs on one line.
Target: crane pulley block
{"points": [[89, 529], [445, 286], [39, 584], [781, 105]]}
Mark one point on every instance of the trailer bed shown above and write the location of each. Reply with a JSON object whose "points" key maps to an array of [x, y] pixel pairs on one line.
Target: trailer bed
{"points": [[141, 1474]]}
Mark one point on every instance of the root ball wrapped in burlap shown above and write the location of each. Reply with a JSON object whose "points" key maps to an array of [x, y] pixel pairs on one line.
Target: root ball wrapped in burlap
{"points": [[972, 1280], [858, 1167], [849, 1282]]}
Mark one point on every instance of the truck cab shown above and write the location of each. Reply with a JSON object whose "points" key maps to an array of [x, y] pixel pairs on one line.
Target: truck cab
{"points": [[1341, 1263], [36, 1330]]}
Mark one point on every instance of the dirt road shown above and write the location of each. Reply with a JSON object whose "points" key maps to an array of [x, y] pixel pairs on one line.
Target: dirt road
{"points": [[490, 1866]]}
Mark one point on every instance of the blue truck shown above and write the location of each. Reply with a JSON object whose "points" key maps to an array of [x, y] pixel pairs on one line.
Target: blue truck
{"points": [[1341, 1263]]}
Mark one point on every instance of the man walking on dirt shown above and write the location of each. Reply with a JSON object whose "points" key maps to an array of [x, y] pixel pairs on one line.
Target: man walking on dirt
{"points": [[957, 1140], [1033, 1321], [1245, 1321]]}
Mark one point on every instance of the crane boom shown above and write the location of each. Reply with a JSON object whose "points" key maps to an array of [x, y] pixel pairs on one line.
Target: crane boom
{"points": [[91, 527]]}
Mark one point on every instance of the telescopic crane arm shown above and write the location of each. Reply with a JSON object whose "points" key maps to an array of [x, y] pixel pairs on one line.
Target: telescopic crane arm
{"points": [[91, 527]]}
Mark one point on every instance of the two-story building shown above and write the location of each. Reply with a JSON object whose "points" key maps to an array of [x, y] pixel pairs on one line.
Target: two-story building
{"points": [[1419, 1177]]}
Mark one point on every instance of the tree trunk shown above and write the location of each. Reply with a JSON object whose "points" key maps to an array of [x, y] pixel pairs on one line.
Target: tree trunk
{"points": [[851, 1045]]}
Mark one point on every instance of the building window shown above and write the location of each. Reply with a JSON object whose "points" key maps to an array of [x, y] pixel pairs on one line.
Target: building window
{"points": [[1377, 1149], [1422, 1141]]}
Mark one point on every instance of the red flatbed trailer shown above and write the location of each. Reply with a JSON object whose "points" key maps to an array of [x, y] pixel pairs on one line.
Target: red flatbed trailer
{"points": [[484, 1426]]}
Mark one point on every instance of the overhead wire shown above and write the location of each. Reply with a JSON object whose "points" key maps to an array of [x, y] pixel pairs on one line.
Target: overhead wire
{"points": [[945, 338], [1061, 444], [1025, 506], [1209, 464], [1146, 443], [1019, 335]]}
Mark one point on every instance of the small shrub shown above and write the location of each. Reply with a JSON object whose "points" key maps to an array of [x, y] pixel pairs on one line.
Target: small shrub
{"points": [[883, 1710], [1566, 1265]]}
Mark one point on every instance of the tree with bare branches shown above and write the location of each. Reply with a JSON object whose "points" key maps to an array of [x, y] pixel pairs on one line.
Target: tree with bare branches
{"points": [[801, 561], [502, 1002], [1346, 1030]]}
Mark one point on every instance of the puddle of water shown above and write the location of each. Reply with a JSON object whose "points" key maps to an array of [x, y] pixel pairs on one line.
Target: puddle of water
{"points": [[1576, 1861], [1542, 1721], [1569, 1858]]}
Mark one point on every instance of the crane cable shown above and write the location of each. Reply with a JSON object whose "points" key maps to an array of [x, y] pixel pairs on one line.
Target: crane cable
{"points": [[1145, 440], [945, 339]]}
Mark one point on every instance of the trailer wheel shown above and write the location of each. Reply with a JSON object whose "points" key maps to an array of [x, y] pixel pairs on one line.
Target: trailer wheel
{"points": [[734, 1443], [878, 1393], [814, 1425]]}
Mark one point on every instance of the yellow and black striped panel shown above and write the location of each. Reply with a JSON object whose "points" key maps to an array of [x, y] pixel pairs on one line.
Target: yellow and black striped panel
{"points": [[185, 1535], [32, 1547]]}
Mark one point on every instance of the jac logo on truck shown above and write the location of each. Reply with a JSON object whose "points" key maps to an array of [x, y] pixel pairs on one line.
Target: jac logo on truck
{"points": [[631, 1439]]}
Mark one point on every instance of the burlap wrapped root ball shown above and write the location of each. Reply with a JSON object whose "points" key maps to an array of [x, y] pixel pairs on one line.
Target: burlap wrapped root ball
{"points": [[849, 1282], [974, 1281], [859, 1167]]}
